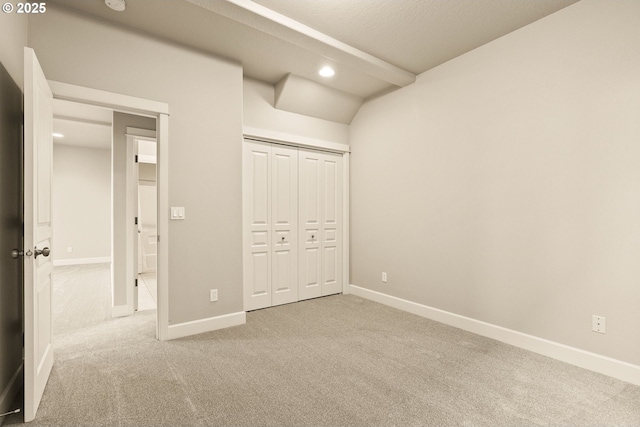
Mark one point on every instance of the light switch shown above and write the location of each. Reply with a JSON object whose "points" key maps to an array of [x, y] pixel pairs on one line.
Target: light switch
{"points": [[177, 212]]}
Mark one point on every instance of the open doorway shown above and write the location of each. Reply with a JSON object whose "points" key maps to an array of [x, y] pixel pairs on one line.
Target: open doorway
{"points": [[39, 94], [81, 202], [92, 211]]}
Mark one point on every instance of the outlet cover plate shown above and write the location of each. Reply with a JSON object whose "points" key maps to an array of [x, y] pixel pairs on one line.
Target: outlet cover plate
{"points": [[598, 324]]}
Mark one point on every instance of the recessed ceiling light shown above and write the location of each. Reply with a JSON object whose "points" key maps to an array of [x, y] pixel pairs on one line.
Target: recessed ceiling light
{"points": [[57, 135], [117, 5], [326, 72]]}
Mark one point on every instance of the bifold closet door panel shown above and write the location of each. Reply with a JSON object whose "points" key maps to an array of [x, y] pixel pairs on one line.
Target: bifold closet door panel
{"points": [[331, 200], [257, 222], [310, 209], [284, 224], [320, 223]]}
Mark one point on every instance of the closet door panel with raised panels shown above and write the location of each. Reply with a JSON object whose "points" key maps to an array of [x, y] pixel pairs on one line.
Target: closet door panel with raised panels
{"points": [[310, 223], [320, 224], [284, 224], [331, 224], [257, 235]]}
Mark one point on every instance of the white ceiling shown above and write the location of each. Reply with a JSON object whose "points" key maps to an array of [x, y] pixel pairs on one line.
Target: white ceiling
{"points": [[415, 35], [374, 45], [82, 125]]}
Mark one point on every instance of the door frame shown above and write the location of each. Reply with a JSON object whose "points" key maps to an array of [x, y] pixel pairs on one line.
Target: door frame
{"points": [[276, 137], [134, 135], [159, 111]]}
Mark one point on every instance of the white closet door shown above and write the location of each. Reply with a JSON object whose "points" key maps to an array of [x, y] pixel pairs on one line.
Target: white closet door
{"points": [[310, 209], [284, 224], [320, 224], [331, 235], [257, 220]]}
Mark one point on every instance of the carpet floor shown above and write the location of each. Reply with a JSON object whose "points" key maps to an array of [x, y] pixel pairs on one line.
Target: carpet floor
{"points": [[333, 361]]}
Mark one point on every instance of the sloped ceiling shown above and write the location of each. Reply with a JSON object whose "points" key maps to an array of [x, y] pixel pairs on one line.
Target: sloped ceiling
{"points": [[374, 45]]}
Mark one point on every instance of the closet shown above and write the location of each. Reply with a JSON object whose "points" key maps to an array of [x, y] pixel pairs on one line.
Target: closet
{"points": [[292, 214]]}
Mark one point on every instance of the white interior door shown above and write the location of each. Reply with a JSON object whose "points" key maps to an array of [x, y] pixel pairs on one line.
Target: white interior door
{"points": [[135, 203], [310, 209], [38, 118], [284, 224], [331, 230], [320, 223], [257, 220]]}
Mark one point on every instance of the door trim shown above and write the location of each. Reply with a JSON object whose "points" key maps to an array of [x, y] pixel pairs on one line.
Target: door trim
{"points": [[160, 111], [266, 135], [133, 135], [275, 137]]}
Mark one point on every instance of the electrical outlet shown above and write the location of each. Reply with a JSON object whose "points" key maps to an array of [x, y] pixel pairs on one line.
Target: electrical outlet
{"points": [[384, 277], [213, 295], [69, 249], [597, 324]]}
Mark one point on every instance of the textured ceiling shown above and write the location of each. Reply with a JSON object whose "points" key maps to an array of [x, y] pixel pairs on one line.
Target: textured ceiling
{"points": [[374, 45], [415, 35]]}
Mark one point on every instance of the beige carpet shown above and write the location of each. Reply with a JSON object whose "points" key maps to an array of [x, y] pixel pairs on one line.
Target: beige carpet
{"points": [[335, 361]]}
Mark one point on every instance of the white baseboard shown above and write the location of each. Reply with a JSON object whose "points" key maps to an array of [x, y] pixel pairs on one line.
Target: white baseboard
{"points": [[81, 261], [595, 362], [10, 391], [121, 310], [206, 325]]}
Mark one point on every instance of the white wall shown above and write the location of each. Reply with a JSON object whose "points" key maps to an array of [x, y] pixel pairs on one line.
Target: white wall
{"points": [[258, 99], [204, 95], [81, 202], [504, 185], [13, 38]]}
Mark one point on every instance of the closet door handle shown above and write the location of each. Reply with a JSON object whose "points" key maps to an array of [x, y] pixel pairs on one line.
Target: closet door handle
{"points": [[44, 251]]}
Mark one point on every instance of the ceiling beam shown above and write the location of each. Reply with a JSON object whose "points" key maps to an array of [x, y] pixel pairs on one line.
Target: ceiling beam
{"points": [[282, 27]]}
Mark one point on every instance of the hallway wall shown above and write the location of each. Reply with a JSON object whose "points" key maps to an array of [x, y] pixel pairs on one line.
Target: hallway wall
{"points": [[81, 202]]}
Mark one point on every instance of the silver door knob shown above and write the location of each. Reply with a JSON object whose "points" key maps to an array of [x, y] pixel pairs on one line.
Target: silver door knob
{"points": [[44, 252], [16, 253]]}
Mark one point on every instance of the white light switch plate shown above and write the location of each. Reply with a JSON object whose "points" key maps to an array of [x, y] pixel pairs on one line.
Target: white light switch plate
{"points": [[177, 212]]}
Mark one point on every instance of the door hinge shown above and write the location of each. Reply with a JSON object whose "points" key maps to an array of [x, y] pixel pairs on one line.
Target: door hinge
{"points": [[136, 220], [136, 158], [136, 283]]}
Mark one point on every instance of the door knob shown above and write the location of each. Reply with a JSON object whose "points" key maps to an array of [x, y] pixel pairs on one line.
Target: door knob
{"points": [[44, 252], [16, 253]]}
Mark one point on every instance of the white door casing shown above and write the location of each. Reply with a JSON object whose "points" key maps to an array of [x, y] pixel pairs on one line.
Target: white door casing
{"points": [[132, 221], [38, 144]]}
